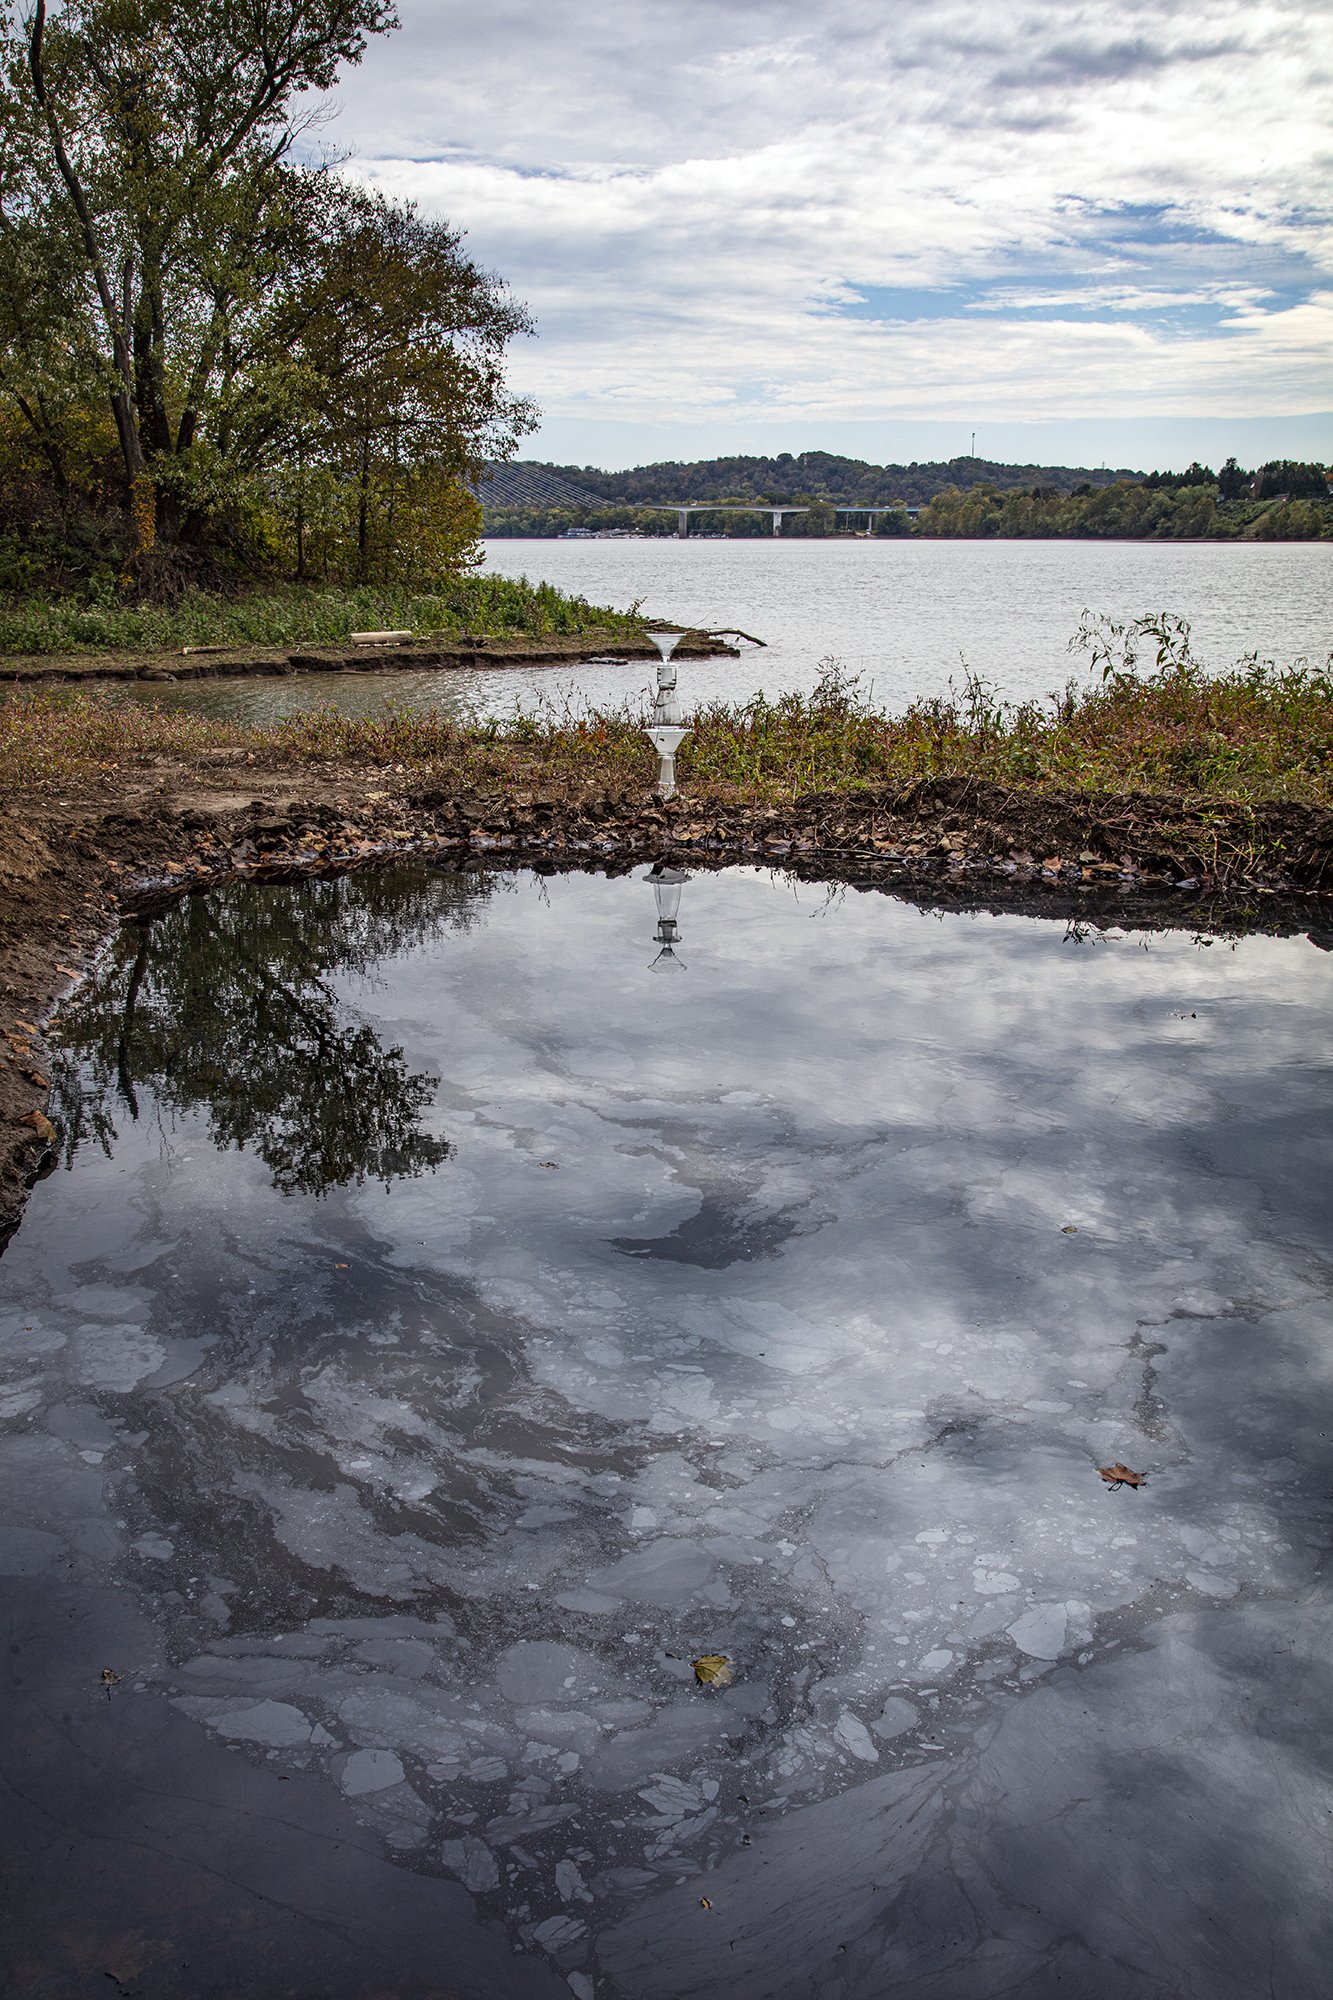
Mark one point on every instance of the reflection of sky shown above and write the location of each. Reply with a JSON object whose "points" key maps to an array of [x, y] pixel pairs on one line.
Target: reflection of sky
{"points": [[784, 1307]]}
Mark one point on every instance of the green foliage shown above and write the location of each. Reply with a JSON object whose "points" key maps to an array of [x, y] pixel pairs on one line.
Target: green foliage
{"points": [[254, 365], [812, 475], [1061, 503], [1125, 510], [289, 615], [1295, 521], [1291, 479]]}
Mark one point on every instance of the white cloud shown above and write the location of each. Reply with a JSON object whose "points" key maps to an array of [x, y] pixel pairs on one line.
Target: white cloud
{"points": [[765, 212]]}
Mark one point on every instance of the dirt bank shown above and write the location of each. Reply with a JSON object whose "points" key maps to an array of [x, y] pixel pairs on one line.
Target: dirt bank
{"points": [[210, 662], [72, 867]]}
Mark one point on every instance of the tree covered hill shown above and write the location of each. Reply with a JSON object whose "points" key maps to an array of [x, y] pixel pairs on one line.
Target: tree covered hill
{"points": [[807, 475], [1284, 500]]}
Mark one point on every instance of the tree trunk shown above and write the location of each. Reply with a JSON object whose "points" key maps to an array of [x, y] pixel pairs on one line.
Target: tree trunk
{"points": [[121, 397], [363, 516]]}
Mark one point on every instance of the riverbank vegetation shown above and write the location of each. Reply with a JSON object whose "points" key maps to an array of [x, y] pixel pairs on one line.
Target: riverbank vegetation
{"points": [[221, 361], [1285, 500], [33, 624], [1150, 720], [1142, 510]]}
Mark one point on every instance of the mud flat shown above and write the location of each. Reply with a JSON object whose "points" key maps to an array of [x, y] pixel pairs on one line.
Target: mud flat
{"points": [[214, 662]]}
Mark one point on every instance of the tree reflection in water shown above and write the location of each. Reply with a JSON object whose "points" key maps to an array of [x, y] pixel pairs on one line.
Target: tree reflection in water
{"points": [[224, 1004]]}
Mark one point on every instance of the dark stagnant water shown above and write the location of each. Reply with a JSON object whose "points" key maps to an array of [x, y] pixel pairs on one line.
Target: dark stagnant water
{"points": [[453, 1324]]}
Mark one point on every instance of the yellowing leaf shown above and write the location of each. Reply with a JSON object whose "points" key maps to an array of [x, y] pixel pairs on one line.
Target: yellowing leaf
{"points": [[713, 1670], [41, 1125], [1120, 1475]]}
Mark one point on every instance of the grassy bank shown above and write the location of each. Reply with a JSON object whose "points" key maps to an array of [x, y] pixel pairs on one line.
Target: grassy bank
{"points": [[293, 614], [1258, 733]]}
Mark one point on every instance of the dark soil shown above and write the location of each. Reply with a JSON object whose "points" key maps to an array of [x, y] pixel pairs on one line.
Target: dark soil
{"points": [[71, 868]]}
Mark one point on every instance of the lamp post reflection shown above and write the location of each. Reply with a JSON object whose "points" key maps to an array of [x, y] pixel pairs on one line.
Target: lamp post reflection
{"points": [[667, 883]]}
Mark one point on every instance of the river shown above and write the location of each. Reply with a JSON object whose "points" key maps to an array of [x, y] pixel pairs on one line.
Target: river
{"points": [[905, 617]]}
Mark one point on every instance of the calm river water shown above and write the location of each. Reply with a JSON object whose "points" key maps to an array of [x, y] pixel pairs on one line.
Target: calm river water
{"points": [[903, 616], [399, 1422]]}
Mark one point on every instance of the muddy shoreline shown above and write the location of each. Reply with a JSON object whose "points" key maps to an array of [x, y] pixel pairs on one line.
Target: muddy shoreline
{"points": [[217, 662], [71, 870]]}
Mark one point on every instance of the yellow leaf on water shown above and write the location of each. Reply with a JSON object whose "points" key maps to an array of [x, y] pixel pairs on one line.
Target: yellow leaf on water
{"points": [[713, 1670]]}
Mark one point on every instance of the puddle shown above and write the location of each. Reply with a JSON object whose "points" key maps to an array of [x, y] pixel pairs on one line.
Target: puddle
{"points": [[455, 1322]]}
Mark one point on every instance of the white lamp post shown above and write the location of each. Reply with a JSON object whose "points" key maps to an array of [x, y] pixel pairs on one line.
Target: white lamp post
{"points": [[666, 732]]}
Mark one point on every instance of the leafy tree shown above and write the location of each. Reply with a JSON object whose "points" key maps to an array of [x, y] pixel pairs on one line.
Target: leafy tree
{"points": [[1233, 482], [223, 304], [1291, 479], [1295, 521]]}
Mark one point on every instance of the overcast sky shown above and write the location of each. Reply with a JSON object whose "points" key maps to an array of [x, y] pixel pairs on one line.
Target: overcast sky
{"points": [[1088, 231]]}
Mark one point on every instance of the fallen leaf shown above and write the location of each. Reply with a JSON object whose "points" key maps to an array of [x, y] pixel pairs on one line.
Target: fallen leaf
{"points": [[1120, 1475], [67, 971], [41, 1125], [548, 1163], [1070, 1229], [704, 1903], [713, 1670], [342, 1267]]}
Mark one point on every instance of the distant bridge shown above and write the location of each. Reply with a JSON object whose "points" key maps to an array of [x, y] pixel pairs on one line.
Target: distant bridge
{"points": [[778, 510]]}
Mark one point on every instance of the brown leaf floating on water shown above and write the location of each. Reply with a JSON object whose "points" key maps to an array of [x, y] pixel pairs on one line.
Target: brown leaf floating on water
{"points": [[1120, 1475], [713, 1670]]}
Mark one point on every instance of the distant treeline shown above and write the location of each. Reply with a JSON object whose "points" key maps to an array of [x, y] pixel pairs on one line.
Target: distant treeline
{"points": [[819, 475], [1143, 510], [1285, 500]]}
